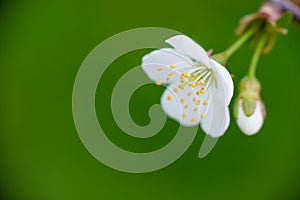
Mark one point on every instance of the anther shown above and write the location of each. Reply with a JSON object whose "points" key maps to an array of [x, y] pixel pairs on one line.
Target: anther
{"points": [[181, 86], [158, 82], [185, 75], [194, 85]]}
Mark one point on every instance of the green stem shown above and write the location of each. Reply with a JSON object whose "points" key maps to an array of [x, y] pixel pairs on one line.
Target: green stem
{"points": [[241, 40], [224, 56], [257, 53]]}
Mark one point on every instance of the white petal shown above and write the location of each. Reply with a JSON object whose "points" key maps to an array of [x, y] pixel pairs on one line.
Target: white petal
{"points": [[217, 118], [206, 97], [252, 124], [181, 106], [157, 65], [188, 47], [224, 81]]}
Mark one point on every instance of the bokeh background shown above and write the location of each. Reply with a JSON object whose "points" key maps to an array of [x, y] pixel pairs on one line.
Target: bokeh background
{"points": [[42, 45]]}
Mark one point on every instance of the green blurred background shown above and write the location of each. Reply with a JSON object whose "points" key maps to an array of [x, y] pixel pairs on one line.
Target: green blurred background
{"points": [[42, 45]]}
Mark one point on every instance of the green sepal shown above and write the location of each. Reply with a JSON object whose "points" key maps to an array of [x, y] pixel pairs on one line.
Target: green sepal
{"points": [[248, 106], [271, 32], [245, 23], [221, 58], [272, 38]]}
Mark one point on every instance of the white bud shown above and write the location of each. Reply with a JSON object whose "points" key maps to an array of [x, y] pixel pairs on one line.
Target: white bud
{"points": [[253, 123]]}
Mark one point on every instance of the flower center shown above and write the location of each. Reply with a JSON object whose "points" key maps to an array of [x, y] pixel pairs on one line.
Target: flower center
{"points": [[199, 78], [199, 75]]}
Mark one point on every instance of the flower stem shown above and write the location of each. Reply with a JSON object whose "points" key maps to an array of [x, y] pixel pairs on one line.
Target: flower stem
{"points": [[241, 40], [257, 53], [224, 56]]}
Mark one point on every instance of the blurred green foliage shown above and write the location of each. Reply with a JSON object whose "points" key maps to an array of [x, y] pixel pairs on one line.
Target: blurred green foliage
{"points": [[42, 44]]}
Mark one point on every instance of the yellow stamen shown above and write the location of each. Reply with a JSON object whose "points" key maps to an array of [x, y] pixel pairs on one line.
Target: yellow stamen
{"points": [[175, 90], [167, 79], [159, 69], [186, 106], [194, 99], [202, 82], [195, 109], [193, 120], [158, 82], [185, 75], [198, 102], [205, 102], [183, 115], [171, 73], [172, 66], [169, 98], [202, 115], [181, 100], [194, 85], [181, 86], [189, 94]]}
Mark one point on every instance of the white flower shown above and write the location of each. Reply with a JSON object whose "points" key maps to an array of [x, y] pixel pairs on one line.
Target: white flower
{"points": [[249, 109], [199, 90], [253, 123]]}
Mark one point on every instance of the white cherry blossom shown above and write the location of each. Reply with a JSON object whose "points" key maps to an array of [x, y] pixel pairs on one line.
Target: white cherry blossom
{"points": [[199, 88]]}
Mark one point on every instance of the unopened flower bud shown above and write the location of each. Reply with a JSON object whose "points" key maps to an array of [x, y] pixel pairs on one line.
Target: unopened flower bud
{"points": [[249, 109]]}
